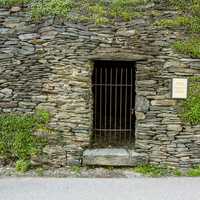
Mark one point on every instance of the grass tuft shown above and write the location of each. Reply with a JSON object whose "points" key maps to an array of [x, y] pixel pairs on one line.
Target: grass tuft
{"points": [[190, 47], [22, 166], [17, 141], [157, 171], [191, 106], [194, 172]]}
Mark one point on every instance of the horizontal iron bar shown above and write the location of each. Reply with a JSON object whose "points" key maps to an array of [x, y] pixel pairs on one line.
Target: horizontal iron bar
{"points": [[112, 130], [96, 84]]}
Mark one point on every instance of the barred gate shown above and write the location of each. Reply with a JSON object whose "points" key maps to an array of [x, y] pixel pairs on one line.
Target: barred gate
{"points": [[113, 85]]}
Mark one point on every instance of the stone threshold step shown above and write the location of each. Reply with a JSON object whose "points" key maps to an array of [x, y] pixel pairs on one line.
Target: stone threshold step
{"points": [[113, 157]]}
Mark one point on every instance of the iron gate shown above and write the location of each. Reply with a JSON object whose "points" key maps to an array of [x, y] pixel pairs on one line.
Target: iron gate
{"points": [[113, 85]]}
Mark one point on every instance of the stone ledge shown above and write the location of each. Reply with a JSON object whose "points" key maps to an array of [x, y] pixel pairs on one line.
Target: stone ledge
{"points": [[113, 157], [119, 57]]}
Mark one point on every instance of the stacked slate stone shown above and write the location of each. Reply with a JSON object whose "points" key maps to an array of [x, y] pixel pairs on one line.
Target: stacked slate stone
{"points": [[47, 66]]}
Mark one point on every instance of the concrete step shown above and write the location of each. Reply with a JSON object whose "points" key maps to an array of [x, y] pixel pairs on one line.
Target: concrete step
{"points": [[113, 157]]}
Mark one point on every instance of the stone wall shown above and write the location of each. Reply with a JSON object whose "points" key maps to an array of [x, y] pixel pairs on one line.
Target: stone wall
{"points": [[47, 66]]}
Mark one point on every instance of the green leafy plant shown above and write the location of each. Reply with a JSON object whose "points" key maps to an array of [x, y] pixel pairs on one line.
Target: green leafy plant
{"points": [[190, 20], [98, 13], [76, 169], [58, 8], [190, 47], [13, 2], [40, 171], [17, 141], [101, 12], [42, 117], [22, 166], [179, 21], [191, 106], [193, 172], [157, 171], [125, 9]]}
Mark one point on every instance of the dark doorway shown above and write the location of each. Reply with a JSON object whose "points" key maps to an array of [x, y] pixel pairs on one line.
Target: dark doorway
{"points": [[113, 86]]}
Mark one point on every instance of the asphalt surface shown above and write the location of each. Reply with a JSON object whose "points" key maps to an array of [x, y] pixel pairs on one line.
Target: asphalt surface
{"points": [[100, 189]]}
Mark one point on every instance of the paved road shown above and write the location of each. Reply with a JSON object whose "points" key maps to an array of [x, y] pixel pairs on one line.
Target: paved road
{"points": [[100, 189]]}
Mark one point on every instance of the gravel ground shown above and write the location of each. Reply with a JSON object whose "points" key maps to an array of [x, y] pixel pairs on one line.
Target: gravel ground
{"points": [[100, 189], [73, 172]]}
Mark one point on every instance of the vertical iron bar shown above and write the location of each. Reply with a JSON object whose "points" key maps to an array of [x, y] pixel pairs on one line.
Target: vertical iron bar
{"points": [[120, 117], [95, 103], [100, 103], [110, 104], [125, 111], [116, 73], [131, 102], [105, 117]]}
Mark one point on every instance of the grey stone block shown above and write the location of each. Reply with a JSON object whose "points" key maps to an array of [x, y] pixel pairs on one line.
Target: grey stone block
{"points": [[113, 157]]}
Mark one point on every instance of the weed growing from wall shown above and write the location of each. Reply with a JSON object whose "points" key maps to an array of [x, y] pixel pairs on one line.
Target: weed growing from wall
{"points": [[99, 12], [8, 3], [190, 19], [191, 106], [17, 142]]}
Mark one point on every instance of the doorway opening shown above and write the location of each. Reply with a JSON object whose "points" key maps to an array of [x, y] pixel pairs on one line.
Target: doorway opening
{"points": [[113, 87]]}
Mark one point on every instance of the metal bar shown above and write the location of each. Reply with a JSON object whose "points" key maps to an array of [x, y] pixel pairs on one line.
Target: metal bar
{"points": [[115, 127], [113, 87], [95, 104], [105, 103], [105, 122], [120, 85], [131, 102], [125, 111], [110, 136], [100, 100], [120, 115]]}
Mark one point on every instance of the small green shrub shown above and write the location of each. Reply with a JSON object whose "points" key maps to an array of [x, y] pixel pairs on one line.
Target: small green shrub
{"points": [[179, 21], [22, 166], [157, 171], [125, 9], [190, 47], [190, 20], [100, 12], [191, 106], [194, 172], [42, 117], [195, 25], [118, 4], [16, 139], [76, 169], [13, 2], [24, 145], [58, 8], [40, 171]]}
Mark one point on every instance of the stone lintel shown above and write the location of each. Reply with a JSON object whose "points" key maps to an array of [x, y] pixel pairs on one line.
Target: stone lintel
{"points": [[119, 57]]}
